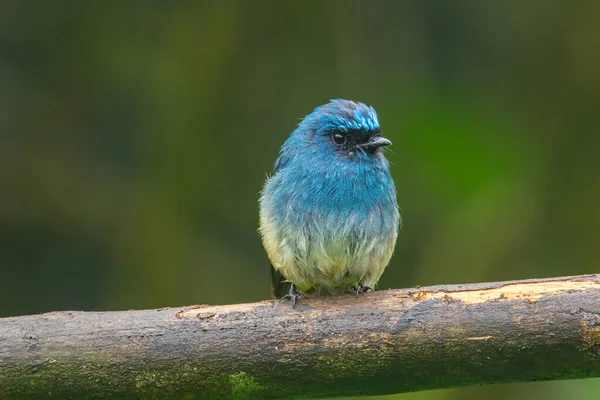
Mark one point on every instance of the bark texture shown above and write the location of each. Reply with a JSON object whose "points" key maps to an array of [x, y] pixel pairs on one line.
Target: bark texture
{"points": [[385, 342]]}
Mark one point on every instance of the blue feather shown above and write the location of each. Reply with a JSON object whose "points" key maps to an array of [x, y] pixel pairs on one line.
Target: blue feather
{"points": [[329, 216]]}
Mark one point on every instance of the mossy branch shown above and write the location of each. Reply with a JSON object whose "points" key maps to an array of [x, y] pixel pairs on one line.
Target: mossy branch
{"points": [[378, 343]]}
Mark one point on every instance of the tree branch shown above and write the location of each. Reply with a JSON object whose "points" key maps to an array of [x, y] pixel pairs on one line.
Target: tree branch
{"points": [[378, 343]]}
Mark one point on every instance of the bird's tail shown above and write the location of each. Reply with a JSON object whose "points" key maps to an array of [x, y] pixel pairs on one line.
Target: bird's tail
{"points": [[278, 286]]}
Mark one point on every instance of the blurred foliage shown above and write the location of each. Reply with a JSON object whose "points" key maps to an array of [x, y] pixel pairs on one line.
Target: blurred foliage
{"points": [[135, 137]]}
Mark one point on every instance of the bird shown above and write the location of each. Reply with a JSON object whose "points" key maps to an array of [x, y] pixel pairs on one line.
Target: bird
{"points": [[328, 214]]}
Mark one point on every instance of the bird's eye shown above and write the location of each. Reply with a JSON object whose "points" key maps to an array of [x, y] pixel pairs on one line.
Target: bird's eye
{"points": [[338, 138]]}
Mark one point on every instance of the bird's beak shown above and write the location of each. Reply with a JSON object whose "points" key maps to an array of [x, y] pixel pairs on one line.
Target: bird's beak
{"points": [[376, 141]]}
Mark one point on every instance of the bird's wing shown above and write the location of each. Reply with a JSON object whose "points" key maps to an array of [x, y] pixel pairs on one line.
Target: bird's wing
{"points": [[281, 161]]}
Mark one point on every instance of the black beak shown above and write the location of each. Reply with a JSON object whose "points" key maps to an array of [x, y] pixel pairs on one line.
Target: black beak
{"points": [[376, 142]]}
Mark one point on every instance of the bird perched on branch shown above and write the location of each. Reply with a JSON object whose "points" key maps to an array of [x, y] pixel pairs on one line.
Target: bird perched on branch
{"points": [[328, 216]]}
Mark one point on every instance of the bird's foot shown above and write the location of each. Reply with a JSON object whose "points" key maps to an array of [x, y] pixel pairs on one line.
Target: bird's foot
{"points": [[360, 289], [293, 295]]}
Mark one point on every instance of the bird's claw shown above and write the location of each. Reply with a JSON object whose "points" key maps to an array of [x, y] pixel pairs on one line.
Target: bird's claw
{"points": [[360, 289], [293, 295]]}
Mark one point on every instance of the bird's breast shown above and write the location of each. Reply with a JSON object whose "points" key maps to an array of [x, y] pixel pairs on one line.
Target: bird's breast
{"points": [[337, 207], [319, 226]]}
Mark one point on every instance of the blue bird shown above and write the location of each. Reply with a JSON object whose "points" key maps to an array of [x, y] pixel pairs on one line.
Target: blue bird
{"points": [[328, 215]]}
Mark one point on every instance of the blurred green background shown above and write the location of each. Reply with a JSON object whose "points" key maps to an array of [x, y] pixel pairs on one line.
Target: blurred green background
{"points": [[135, 137]]}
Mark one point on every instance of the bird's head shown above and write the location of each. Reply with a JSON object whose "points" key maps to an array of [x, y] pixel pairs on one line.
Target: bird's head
{"points": [[342, 128]]}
